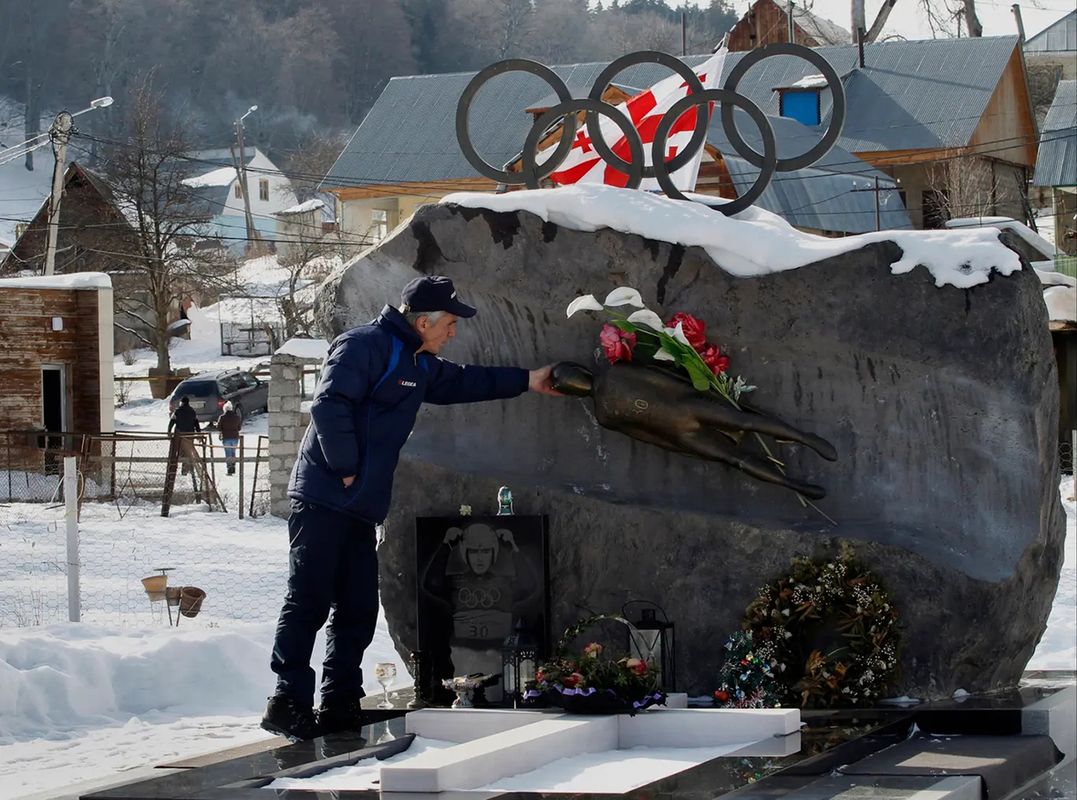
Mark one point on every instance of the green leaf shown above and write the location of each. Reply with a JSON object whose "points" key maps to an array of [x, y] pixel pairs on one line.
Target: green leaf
{"points": [[700, 377]]}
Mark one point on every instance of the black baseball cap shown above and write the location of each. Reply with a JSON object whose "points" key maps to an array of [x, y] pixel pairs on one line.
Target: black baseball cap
{"points": [[434, 293]]}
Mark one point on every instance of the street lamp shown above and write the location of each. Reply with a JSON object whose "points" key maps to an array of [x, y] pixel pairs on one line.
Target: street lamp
{"points": [[60, 135], [241, 174]]}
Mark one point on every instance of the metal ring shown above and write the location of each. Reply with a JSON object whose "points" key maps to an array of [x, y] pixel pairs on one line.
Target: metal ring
{"points": [[723, 96], [699, 135], [534, 173], [837, 116], [463, 108]]}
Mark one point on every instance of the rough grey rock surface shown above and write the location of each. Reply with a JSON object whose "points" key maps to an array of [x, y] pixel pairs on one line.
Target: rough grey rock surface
{"points": [[941, 402]]}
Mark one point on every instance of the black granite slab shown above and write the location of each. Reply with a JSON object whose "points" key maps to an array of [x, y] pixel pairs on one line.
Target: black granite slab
{"points": [[829, 740]]}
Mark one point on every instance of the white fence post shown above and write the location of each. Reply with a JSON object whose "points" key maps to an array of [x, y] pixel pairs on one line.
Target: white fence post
{"points": [[71, 516]]}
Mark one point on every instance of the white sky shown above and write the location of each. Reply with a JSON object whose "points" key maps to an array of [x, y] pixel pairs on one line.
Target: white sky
{"points": [[907, 18]]}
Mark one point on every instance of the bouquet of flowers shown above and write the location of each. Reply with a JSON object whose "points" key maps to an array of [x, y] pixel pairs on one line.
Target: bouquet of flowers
{"points": [[680, 343], [592, 681]]}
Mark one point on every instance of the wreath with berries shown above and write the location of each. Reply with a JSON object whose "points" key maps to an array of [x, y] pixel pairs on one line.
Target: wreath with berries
{"points": [[829, 632]]}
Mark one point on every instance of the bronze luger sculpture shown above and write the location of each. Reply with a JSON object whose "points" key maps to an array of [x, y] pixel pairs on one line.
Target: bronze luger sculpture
{"points": [[656, 406]]}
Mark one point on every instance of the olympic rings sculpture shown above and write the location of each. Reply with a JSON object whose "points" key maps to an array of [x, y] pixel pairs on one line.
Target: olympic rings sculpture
{"points": [[532, 173]]}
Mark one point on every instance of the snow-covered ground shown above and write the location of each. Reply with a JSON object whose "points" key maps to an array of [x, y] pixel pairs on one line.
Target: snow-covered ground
{"points": [[121, 691]]}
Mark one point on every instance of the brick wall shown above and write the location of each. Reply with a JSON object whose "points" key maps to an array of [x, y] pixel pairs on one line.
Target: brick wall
{"points": [[287, 422]]}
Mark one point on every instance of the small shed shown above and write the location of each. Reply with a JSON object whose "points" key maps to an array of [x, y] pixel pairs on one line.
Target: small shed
{"points": [[57, 363]]}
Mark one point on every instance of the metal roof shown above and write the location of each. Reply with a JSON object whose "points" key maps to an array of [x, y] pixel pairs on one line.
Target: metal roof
{"points": [[1058, 37], [819, 28], [1056, 160], [910, 95], [836, 194]]}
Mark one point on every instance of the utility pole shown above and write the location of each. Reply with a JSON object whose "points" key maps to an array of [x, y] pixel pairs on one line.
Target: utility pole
{"points": [[241, 174], [1016, 9], [791, 32], [878, 209], [60, 134], [684, 34]]}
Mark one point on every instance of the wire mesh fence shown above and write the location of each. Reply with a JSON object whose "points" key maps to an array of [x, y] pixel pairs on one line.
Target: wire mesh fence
{"points": [[217, 542]]}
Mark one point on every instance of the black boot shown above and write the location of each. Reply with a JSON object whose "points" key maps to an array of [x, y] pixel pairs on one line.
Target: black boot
{"points": [[286, 717], [340, 717]]}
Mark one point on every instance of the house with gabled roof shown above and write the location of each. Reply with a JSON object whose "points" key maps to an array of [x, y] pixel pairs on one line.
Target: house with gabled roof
{"points": [[1056, 45], [924, 116], [214, 180], [1056, 164], [96, 233], [767, 22]]}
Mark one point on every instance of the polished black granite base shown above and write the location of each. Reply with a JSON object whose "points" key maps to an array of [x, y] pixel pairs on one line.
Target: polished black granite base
{"points": [[830, 741]]}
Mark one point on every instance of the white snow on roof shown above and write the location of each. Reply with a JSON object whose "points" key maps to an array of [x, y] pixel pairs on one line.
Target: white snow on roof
{"points": [[754, 242], [222, 176], [1061, 303], [809, 82], [309, 205], [313, 349], [74, 280]]}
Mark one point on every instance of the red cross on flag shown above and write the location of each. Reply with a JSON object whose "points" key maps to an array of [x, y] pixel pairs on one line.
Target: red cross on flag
{"points": [[583, 164]]}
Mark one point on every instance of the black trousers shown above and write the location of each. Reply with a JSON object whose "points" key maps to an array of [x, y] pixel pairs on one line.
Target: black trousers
{"points": [[333, 566]]}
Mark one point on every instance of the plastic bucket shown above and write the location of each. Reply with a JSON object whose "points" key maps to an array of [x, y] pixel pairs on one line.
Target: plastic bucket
{"points": [[155, 586]]}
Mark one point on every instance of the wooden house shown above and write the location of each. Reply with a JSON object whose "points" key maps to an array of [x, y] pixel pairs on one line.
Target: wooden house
{"points": [[57, 363], [767, 22]]}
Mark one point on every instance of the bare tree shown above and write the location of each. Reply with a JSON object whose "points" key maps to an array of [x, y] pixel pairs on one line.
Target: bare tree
{"points": [[965, 187], [157, 250], [309, 257], [940, 16]]}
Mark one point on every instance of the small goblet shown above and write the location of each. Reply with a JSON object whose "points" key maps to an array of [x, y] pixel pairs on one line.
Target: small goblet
{"points": [[385, 673]]}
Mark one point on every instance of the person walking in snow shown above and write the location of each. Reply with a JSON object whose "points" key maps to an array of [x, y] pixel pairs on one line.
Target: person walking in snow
{"points": [[374, 380], [185, 422], [228, 425]]}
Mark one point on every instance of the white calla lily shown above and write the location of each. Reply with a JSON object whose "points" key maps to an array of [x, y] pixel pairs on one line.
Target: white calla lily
{"points": [[624, 296], [678, 334], [646, 317], [662, 355], [585, 302]]}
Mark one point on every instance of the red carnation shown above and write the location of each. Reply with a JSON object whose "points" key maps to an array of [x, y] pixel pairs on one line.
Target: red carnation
{"points": [[694, 329], [721, 696], [572, 681], [616, 344], [714, 359]]}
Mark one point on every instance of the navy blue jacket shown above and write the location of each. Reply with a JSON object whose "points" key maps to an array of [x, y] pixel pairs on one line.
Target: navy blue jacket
{"points": [[372, 384]]}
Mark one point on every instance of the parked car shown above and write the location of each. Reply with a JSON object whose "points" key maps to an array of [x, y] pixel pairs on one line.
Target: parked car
{"points": [[209, 391]]}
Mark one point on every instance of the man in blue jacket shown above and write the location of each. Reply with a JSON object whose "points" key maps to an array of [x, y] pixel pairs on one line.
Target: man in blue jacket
{"points": [[374, 380]]}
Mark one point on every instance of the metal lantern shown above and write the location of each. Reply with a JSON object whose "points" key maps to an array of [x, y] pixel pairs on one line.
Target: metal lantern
{"points": [[652, 640], [519, 659]]}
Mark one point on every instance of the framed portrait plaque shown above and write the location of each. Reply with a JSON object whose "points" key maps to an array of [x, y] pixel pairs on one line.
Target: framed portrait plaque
{"points": [[478, 578]]}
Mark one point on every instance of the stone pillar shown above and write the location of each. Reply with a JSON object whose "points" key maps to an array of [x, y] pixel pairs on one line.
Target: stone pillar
{"points": [[288, 418]]}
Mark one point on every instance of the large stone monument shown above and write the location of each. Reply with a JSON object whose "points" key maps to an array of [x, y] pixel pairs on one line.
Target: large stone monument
{"points": [[940, 401]]}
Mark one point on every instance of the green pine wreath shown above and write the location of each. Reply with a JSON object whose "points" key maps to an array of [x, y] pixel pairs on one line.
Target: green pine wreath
{"points": [[834, 631]]}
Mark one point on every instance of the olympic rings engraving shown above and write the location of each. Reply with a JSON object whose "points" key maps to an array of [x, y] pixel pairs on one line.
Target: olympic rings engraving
{"points": [[478, 597], [531, 172]]}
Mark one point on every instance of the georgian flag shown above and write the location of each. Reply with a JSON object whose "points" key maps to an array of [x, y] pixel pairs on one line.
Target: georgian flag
{"points": [[583, 164]]}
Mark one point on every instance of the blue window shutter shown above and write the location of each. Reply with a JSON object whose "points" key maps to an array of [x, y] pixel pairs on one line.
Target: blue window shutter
{"points": [[801, 106]]}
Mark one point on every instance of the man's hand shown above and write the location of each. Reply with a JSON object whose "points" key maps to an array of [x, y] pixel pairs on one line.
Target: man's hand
{"points": [[538, 380], [348, 481]]}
